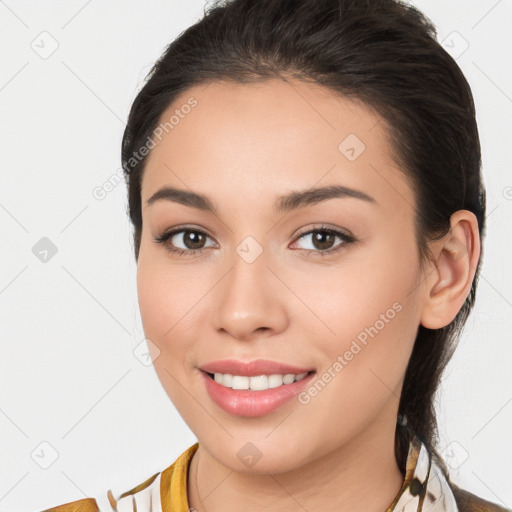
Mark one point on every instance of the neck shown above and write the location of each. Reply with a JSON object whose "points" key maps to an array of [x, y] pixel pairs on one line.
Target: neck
{"points": [[362, 476]]}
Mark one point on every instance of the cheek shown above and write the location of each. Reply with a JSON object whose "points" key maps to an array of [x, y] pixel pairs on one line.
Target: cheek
{"points": [[163, 311], [344, 300], [172, 307], [166, 298], [153, 299], [364, 361], [368, 313]]}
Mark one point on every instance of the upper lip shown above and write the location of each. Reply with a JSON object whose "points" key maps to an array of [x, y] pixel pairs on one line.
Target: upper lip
{"points": [[252, 368]]}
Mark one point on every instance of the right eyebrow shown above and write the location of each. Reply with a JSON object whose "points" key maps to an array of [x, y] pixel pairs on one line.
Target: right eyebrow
{"points": [[185, 197]]}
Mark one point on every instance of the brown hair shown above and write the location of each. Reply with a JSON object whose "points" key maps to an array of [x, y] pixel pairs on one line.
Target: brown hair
{"points": [[382, 52]]}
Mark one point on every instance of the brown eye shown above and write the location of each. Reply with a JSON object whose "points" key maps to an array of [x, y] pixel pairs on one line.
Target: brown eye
{"points": [[323, 240], [193, 239], [183, 241]]}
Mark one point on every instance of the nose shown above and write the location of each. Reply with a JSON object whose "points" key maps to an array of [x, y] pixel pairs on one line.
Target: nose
{"points": [[250, 301]]}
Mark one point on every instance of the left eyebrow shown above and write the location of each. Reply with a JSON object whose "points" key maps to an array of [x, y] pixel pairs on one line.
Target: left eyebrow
{"points": [[302, 198], [288, 202]]}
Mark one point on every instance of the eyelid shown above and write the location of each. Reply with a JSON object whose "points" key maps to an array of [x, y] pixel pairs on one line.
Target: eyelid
{"points": [[177, 229], [326, 227]]}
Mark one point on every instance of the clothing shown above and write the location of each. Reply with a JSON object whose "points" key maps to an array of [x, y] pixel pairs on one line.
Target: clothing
{"points": [[424, 489]]}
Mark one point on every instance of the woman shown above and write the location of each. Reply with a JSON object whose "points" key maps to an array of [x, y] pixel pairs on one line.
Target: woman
{"points": [[304, 185]]}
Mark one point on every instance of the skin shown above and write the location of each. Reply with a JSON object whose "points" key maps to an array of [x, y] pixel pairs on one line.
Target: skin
{"points": [[244, 146]]}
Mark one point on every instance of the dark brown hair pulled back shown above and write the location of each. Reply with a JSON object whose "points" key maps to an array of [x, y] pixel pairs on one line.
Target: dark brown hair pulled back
{"points": [[382, 52]]}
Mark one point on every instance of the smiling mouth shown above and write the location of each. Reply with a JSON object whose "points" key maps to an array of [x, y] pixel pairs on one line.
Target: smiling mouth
{"points": [[257, 382]]}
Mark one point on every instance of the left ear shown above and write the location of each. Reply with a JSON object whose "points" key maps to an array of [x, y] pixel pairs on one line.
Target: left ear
{"points": [[449, 282]]}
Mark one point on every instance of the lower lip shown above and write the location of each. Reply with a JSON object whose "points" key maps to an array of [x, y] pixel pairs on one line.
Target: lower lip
{"points": [[240, 402]]}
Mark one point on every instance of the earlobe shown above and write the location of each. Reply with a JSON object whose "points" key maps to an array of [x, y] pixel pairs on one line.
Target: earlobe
{"points": [[451, 276]]}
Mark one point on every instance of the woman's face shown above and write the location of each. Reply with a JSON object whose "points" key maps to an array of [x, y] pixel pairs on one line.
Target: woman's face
{"points": [[257, 277]]}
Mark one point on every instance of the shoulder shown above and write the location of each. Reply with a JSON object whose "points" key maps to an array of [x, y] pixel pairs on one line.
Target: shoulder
{"points": [[469, 502], [162, 492], [145, 496], [84, 505]]}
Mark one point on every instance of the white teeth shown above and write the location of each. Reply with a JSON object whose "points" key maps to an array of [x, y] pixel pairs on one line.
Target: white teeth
{"points": [[240, 382], [275, 380], [288, 378], [258, 382]]}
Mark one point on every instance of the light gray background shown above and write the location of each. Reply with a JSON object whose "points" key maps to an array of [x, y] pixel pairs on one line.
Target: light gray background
{"points": [[69, 376]]}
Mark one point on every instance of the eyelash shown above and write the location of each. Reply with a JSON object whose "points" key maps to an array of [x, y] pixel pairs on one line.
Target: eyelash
{"points": [[347, 240]]}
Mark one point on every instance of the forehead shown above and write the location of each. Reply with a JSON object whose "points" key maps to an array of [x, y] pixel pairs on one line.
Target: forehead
{"points": [[269, 137]]}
